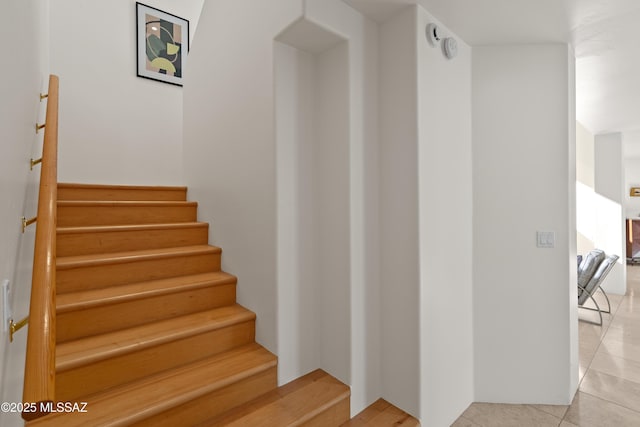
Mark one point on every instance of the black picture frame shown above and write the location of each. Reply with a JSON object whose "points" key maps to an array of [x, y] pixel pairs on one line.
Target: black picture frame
{"points": [[160, 39]]}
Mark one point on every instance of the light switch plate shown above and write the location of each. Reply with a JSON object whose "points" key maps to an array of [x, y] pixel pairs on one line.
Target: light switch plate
{"points": [[546, 239]]}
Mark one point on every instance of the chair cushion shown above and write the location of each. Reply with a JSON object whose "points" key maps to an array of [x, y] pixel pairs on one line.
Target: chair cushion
{"points": [[588, 266], [601, 272]]}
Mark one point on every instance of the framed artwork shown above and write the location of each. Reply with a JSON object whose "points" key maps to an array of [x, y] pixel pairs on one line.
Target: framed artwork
{"points": [[163, 44]]}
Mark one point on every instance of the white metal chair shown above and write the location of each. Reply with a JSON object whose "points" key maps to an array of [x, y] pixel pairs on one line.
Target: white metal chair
{"points": [[591, 273]]}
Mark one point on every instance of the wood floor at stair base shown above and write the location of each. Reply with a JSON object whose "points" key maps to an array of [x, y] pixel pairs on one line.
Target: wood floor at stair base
{"points": [[382, 414], [215, 403], [102, 375], [119, 273], [99, 320]]}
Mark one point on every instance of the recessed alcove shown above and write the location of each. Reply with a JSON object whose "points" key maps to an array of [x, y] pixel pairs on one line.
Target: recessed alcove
{"points": [[313, 191]]}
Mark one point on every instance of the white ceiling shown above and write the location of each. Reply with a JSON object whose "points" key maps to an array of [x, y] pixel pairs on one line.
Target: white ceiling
{"points": [[605, 35]]}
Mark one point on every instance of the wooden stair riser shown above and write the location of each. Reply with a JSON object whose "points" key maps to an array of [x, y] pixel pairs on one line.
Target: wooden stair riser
{"points": [[336, 415], [78, 214], [118, 240], [116, 192], [98, 376], [99, 320], [215, 403], [100, 276]]}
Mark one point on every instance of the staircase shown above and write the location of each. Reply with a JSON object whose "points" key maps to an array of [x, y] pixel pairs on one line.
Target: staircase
{"points": [[148, 329]]}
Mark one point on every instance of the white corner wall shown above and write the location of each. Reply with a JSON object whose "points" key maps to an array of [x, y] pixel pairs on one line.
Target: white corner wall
{"points": [[609, 206], [426, 211], [446, 238], [399, 216], [115, 127], [525, 314], [25, 76]]}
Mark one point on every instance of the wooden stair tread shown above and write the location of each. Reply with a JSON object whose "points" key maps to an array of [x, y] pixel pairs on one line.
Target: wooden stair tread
{"points": [[71, 191], [70, 262], [117, 294], [290, 405], [133, 227], [382, 414], [84, 351], [134, 402]]}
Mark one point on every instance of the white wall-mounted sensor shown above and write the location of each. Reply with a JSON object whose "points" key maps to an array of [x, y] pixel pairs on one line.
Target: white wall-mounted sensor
{"points": [[433, 34], [450, 47]]}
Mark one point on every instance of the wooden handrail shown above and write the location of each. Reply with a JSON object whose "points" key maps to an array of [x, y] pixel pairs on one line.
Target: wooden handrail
{"points": [[39, 375]]}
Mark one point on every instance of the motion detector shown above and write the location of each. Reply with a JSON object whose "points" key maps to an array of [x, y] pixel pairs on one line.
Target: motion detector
{"points": [[450, 47], [433, 34]]}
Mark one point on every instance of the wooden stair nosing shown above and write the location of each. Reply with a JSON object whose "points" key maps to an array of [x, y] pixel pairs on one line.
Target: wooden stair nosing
{"points": [[84, 351], [125, 203], [129, 227], [83, 300], [290, 405], [72, 185], [80, 261], [131, 403]]}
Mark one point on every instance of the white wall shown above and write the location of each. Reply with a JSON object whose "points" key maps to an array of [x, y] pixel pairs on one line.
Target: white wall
{"points": [[600, 212], [525, 315], [585, 193], [25, 76], [632, 179], [229, 144], [608, 206], [239, 166], [631, 151], [115, 127], [446, 237]]}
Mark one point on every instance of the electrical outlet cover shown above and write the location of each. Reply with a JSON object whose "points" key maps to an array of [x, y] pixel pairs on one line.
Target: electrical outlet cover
{"points": [[6, 305]]}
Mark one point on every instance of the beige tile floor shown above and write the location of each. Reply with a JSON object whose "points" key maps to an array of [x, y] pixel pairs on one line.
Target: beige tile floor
{"points": [[609, 392]]}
